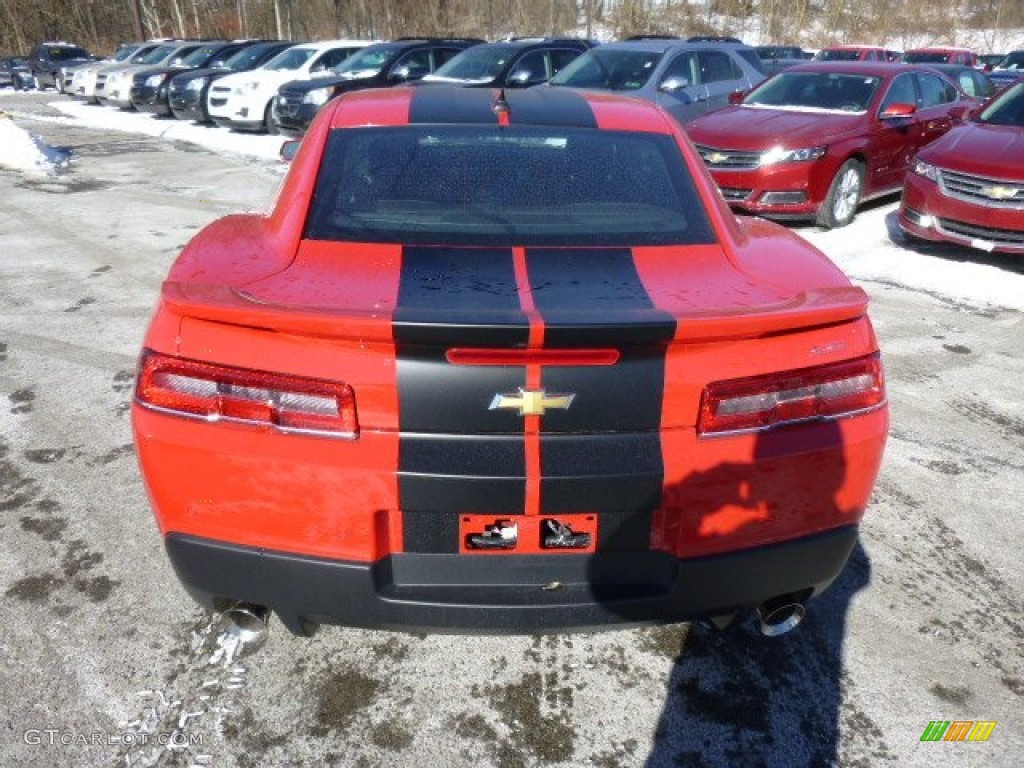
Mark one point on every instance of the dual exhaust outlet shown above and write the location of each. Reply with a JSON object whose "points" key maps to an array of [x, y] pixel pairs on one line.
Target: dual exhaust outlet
{"points": [[249, 623]]}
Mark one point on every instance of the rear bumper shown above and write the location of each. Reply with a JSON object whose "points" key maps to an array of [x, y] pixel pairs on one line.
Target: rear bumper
{"points": [[505, 593]]}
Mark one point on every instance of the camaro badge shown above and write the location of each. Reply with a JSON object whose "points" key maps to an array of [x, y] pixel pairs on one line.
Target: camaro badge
{"points": [[531, 402], [999, 193]]}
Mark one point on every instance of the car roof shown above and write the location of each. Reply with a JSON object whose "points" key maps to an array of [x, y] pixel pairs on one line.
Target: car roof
{"points": [[872, 68], [536, 106], [939, 49], [661, 45]]}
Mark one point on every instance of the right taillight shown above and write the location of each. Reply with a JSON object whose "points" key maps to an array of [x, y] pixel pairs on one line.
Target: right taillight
{"points": [[260, 398], [763, 402]]}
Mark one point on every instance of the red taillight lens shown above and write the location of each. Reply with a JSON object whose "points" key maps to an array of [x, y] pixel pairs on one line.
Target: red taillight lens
{"points": [[761, 402], [213, 392]]}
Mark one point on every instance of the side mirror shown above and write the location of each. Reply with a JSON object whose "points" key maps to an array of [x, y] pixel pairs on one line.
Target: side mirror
{"points": [[289, 149], [898, 110], [399, 75], [520, 77], [672, 84], [736, 97]]}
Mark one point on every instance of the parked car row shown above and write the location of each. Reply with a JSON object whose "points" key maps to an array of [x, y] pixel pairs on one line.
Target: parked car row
{"points": [[811, 142]]}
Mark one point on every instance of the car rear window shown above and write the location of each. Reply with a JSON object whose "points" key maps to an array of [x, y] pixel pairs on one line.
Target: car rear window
{"points": [[518, 185]]}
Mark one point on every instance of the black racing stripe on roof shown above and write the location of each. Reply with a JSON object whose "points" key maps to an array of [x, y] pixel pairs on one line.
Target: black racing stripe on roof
{"points": [[438, 104], [550, 106]]}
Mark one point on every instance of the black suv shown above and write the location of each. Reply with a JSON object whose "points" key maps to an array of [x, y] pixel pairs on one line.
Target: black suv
{"points": [[187, 92], [519, 63], [380, 65], [46, 60]]}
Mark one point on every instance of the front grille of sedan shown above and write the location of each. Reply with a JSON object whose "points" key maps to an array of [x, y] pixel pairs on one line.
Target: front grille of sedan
{"points": [[992, 193], [992, 235], [287, 103], [730, 159]]}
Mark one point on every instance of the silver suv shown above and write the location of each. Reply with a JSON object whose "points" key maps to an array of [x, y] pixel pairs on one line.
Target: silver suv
{"points": [[686, 79]]}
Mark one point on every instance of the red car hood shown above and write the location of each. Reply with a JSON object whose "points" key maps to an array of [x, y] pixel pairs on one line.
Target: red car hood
{"points": [[995, 151], [743, 127], [701, 292]]}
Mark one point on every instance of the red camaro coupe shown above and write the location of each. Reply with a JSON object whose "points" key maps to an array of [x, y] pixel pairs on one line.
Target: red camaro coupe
{"points": [[506, 363], [817, 139], [968, 187]]}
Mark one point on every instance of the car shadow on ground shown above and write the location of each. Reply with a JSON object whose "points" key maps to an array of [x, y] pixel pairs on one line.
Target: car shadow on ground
{"points": [[736, 697], [949, 251]]}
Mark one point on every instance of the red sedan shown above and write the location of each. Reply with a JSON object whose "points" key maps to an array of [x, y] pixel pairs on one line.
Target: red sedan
{"points": [[968, 187], [506, 362], [816, 140]]}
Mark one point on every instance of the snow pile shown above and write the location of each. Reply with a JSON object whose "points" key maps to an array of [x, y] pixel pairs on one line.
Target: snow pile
{"points": [[22, 151]]}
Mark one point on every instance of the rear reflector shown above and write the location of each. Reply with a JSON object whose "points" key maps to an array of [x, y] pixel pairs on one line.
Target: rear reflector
{"points": [[763, 402], [214, 392]]}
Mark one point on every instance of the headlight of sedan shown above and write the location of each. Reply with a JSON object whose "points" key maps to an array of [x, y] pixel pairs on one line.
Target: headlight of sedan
{"points": [[154, 81], [777, 155], [922, 168], [317, 97]]}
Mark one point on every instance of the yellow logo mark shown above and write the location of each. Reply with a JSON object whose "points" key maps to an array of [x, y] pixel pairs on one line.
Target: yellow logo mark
{"points": [[530, 402]]}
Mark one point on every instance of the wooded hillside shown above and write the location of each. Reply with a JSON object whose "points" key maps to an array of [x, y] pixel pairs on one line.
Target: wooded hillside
{"points": [[100, 24]]}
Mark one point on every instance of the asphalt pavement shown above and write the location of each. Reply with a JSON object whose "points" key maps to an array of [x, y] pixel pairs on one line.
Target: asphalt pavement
{"points": [[104, 660]]}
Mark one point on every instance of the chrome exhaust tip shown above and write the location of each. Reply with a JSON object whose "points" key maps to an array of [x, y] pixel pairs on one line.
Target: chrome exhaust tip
{"points": [[780, 614], [247, 623]]}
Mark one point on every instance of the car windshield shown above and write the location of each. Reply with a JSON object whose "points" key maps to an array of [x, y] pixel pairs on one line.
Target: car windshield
{"points": [[367, 62], [157, 55], [809, 91], [483, 62], [198, 57], [63, 54], [1013, 60], [124, 52], [1007, 109], [925, 57], [838, 55], [139, 57], [291, 59], [519, 185], [247, 57], [616, 70]]}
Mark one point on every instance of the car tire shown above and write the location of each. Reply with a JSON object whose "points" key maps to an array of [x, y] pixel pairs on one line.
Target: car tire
{"points": [[268, 119], [843, 197]]}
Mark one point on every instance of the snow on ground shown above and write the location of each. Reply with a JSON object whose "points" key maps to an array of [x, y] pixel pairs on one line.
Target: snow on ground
{"points": [[872, 249], [22, 151]]}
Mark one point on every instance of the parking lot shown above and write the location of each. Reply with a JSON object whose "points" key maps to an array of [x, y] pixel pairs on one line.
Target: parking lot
{"points": [[106, 661]]}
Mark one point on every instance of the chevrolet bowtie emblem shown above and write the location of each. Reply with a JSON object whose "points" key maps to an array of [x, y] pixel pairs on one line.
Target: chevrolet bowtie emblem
{"points": [[531, 402], [999, 193], [716, 157]]}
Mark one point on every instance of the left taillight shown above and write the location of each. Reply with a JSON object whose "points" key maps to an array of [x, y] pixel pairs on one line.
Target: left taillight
{"points": [[217, 392], [764, 402]]}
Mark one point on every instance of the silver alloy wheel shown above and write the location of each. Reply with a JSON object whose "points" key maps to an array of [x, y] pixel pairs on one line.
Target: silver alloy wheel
{"points": [[847, 195]]}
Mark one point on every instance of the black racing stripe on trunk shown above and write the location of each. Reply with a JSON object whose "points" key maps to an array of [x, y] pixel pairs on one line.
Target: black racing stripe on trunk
{"points": [[625, 397], [459, 296], [435, 396], [589, 294], [452, 105], [550, 106], [601, 472], [441, 477]]}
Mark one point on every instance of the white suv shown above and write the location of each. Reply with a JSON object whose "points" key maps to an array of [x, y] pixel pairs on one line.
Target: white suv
{"points": [[244, 100]]}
